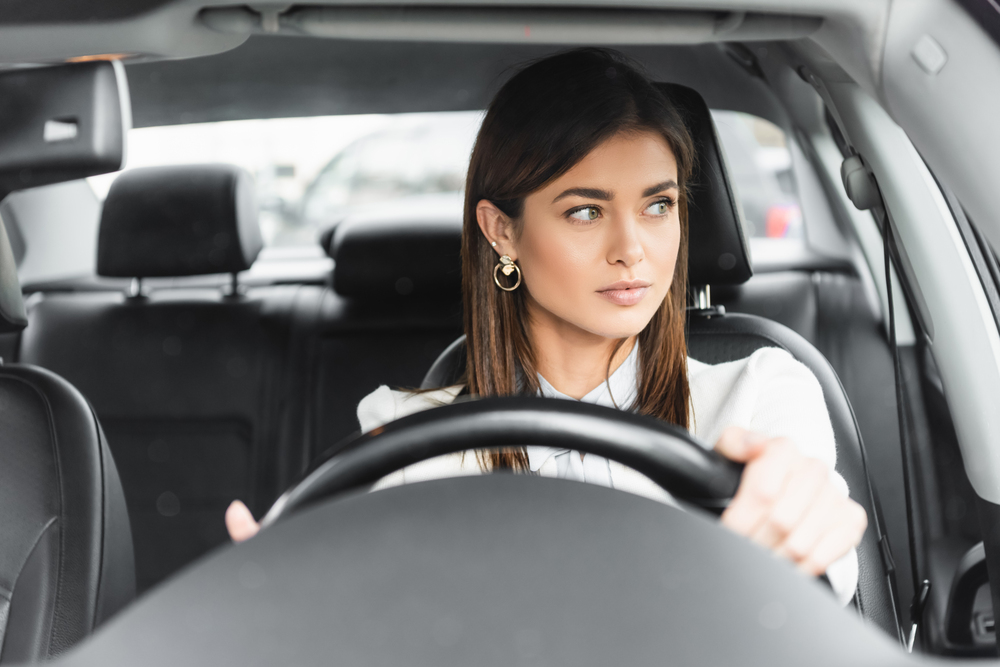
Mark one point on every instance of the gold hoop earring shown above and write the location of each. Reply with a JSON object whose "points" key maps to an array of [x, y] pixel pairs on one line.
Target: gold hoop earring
{"points": [[508, 267]]}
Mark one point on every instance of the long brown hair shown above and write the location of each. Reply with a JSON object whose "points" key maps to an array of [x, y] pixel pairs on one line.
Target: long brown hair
{"points": [[541, 123]]}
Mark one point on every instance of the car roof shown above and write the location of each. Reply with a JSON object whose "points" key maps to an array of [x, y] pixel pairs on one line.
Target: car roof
{"points": [[247, 74], [272, 76]]}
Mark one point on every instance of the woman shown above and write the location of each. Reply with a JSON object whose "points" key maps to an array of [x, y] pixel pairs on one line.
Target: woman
{"points": [[574, 264]]}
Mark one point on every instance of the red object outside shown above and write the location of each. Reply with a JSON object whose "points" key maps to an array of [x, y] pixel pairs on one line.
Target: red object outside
{"points": [[780, 219]]}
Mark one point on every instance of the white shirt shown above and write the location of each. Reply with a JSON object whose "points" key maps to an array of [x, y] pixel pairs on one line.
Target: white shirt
{"points": [[619, 391], [768, 392]]}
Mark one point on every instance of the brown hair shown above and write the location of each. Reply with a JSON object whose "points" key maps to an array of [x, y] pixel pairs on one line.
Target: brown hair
{"points": [[542, 122]]}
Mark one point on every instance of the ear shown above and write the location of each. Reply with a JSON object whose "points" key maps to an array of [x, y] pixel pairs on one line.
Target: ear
{"points": [[496, 227]]}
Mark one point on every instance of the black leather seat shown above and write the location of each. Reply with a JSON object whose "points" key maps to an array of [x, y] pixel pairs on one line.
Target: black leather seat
{"points": [[183, 378], [66, 561], [718, 256], [207, 396], [393, 308]]}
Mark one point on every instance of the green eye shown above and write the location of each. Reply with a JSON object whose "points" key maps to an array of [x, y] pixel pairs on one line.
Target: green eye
{"points": [[589, 213], [659, 208]]}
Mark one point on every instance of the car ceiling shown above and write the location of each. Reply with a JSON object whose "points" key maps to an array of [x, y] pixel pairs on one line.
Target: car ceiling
{"points": [[192, 60], [23, 12], [156, 29], [273, 76]]}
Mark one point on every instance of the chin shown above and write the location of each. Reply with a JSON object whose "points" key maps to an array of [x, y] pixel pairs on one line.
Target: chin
{"points": [[630, 322], [604, 319], [618, 327]]}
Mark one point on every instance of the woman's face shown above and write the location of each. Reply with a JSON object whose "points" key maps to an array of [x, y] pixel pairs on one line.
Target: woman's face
{"points": [[598, 245]]}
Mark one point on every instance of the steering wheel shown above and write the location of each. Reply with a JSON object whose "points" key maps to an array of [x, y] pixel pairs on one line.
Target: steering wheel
{"points": [[497, 569], [666, 454]]}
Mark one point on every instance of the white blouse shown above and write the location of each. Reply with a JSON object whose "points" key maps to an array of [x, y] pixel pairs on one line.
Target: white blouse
{"points": [[768, 392]]}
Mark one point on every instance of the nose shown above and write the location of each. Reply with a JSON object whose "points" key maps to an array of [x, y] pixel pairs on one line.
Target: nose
{"points": [[625, 244]]}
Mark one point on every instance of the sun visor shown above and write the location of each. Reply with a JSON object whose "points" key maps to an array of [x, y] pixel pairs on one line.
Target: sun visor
{"points": [[61, 123], [56, 124]]}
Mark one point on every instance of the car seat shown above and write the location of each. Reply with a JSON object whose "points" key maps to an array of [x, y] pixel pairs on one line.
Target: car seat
{"points": [[66, 561], [186, 377]]}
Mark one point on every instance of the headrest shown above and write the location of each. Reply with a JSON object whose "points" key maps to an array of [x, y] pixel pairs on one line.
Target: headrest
{"points": [[179, 221], [717, 249], [399, 257]]}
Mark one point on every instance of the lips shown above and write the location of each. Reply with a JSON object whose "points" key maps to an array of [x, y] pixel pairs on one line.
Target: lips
{"points": [[625, 292]]}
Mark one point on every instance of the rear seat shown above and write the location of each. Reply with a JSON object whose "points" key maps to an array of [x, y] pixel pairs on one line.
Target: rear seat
{"points": [[182, 380], [208, 396], [394, 307]]}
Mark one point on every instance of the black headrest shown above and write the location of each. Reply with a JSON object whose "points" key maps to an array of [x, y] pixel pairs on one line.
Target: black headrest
{"points": [[179, 221], [418, 256], [717, 249]]}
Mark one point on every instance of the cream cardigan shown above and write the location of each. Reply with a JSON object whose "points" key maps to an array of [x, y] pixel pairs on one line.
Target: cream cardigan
{"points": [[768, 392]]}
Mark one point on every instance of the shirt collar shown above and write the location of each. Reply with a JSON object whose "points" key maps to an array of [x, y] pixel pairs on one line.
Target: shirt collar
{"points": [[619, 391]]}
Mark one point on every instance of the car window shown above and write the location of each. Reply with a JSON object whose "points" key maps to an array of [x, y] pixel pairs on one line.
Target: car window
{"points": [[313, 172], [760, 164]]}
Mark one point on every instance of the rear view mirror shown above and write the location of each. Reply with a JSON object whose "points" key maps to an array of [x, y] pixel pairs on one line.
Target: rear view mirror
{"points": [[61, 123]]}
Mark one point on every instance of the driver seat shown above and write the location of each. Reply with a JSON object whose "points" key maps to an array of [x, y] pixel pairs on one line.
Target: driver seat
{"points": [[718, 255], [66, 561]]}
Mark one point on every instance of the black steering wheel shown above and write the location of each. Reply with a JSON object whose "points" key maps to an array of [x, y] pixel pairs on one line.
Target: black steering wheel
{"points": [[497, 569], [665, 453]]}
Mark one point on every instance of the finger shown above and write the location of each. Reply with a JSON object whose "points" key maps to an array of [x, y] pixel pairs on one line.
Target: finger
{"points": [[739, 444], [762, 483], [731, 443], [240, 522], [837, 542], [805, 483], [819, 518]]}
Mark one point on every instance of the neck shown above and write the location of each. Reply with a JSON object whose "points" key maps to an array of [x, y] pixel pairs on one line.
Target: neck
{"points": [[572, 360]]}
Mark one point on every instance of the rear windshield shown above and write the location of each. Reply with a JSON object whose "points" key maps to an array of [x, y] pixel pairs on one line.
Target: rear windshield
{"points": [[313, 172]]}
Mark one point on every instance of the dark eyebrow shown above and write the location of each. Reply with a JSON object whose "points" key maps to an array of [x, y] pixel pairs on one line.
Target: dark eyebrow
{"points": [[659, 187], [607, 195], [589, 193]]}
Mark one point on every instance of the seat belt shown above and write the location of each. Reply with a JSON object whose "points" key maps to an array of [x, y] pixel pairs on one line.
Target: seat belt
{"points": [[921, 587], [864, 193]]}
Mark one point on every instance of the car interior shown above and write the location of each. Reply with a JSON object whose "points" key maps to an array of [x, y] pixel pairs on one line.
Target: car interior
{"points": [[182, 361]]}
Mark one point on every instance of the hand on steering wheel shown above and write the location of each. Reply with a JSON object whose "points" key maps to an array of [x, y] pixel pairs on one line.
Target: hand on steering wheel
{"points": [[240, 522], [789, 503]]}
